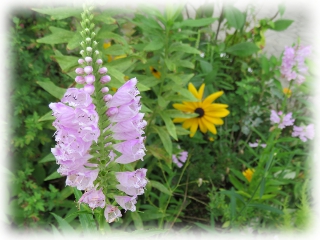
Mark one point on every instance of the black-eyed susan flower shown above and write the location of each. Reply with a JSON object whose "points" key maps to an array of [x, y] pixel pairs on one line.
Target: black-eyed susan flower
{"points": [[248, 174], [287, 92], [210, 114], [155, 72]]}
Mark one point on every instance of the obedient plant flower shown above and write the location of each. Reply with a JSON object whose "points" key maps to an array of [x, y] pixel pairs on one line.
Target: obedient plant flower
{"points": [[283, 120], [209, 114], [303, 132], [257, 143], [293, 63], [95, 129], [180, 158]]}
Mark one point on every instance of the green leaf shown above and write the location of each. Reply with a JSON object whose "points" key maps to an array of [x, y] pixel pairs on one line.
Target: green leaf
{"points": [[182, 131], [282, 24], [160, 187], [234, 17], [59, 35], [55, 91], [206, 67], [74, 41], [235, 182], [47, 117], [198, 22], [52, 176], [243, 49], [281, 9], [184, 92], [153, 46], [169, 124], [162, 102], [165, 138], [265, 207], [48, 158], [181, 47], [105, 34], [105, 19], [137, 221], [66, 62], [60, 12], [205, 227], [63, 225]]}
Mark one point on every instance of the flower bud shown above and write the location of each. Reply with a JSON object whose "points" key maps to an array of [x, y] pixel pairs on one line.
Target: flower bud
{"points": [[80, 79], [88, 59], [105, 89], [89, 78], [79, 71], [88, 69], [88, 39], [112, 111], [82, 52], [96, 52], [103, 70], [89, 49], [80, 61], [93, 34], [107, 97], [95, 43], [89, 88], [105, 79], [99, 61]]}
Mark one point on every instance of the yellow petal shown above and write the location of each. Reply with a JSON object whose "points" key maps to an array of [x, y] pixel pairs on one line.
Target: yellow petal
{"points": [[183, 107], [188, 123], [212, 97], [202, 126], [194, 127], [179, 120], [218, 114], [209, 125], [214, 120], [201, 90], [215, 106], [193, 90]]}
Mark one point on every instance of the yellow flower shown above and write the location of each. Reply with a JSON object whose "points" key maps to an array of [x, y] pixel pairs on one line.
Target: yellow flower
{"points": [[248, 174], [155, 72], [287, 92], [210, 114]]}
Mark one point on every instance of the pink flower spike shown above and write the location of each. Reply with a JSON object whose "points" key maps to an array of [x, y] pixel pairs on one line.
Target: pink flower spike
{"points": [[89, 88], [88, 69], [80, 79], [126, 202], [93, 198], [88, 59], [79, 71], [111, 213], [89, 79], [105, 79], [103, 70]]}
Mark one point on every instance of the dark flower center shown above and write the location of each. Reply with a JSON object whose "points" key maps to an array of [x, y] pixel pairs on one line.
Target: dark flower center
{"points": [[200, 111]]}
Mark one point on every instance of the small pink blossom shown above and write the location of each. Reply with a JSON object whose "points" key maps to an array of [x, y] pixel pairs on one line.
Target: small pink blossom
{"points": [[257, 143], [126, 202], [111, 213], [304, 132], [94, 198], [281, 119]]}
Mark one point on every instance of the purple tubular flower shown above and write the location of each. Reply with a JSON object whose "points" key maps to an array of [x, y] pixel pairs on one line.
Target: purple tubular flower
{"points": [[132, 150], [103, 70], [281, 119], [126, 202], [126, 111], [105, 79], [88, 69], [107, 98], [304, 133], [105, 89], [293, 63], [111, 213], [93, 198], [136, 179], [180, 159], [125, 94]]}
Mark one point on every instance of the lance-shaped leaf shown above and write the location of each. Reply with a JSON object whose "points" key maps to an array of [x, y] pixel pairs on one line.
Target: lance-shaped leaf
{"points": [[169, 124], [243, 49], [60, 12], [182, 47], [51, 88], [165, 138], [59, 35]]}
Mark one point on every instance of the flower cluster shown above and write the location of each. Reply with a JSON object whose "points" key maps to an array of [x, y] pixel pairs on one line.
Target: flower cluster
{"points": [[77, 128], [303, 132], [180, 158], [281, 119], [293, 63], [95, 128]]}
